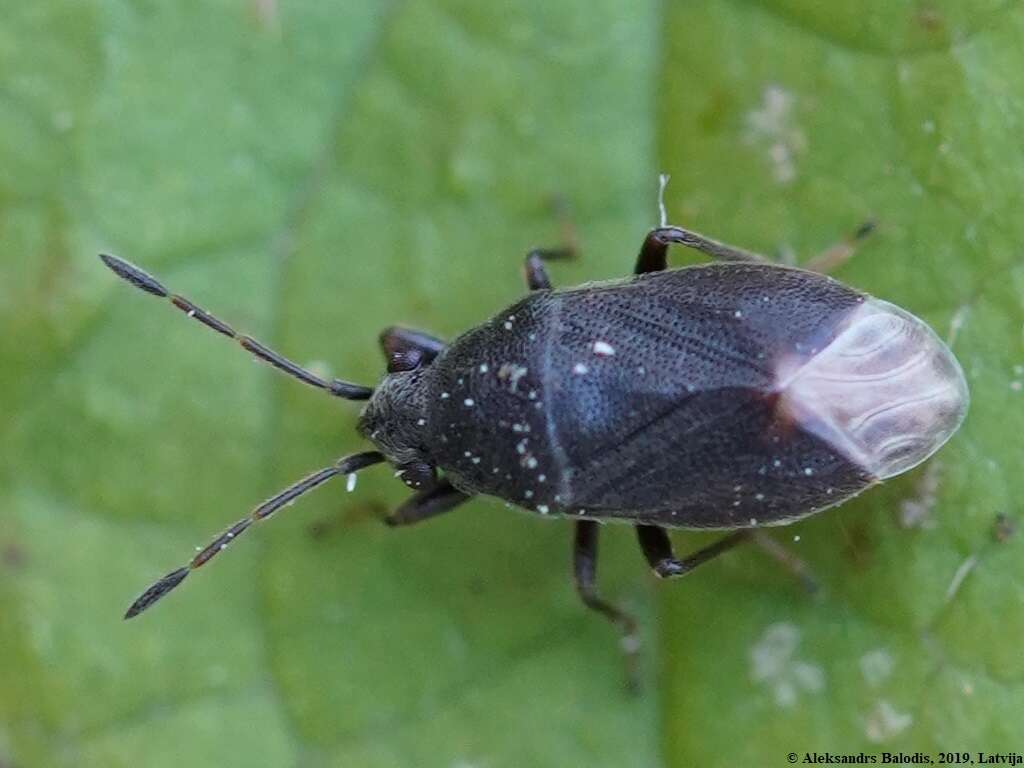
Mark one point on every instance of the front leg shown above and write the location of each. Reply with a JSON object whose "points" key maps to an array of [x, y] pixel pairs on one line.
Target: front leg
{"points": [[407, 348], [442, 497]]}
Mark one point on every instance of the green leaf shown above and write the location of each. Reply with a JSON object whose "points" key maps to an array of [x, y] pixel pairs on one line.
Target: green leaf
{"points": [[313, 172]]}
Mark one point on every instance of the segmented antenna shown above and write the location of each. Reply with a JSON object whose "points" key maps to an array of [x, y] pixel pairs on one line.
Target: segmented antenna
{"points": [[149, 284], [345, 466]]}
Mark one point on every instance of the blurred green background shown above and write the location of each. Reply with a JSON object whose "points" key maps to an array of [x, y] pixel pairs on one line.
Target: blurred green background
{"points": [[314, 171]]}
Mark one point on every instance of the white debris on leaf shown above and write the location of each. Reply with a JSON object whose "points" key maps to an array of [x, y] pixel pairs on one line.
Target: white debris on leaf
{"points": [[885, 721], [772, 127], [876, 666], [774, 664]]}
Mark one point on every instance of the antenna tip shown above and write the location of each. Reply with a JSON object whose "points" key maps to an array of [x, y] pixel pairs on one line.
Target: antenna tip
{"points": [[155, 592], [133, 275]]}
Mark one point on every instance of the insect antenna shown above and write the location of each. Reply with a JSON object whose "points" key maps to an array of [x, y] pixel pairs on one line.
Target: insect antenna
{"points": [[146, 282], [161, 587]]}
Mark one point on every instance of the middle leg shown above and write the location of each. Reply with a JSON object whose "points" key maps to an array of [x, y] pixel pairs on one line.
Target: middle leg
{"points": [[536, 273], [585, 575]]}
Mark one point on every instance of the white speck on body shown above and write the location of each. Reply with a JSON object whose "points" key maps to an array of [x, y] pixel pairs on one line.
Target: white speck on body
{"points": [[774, 664], [483, 368], [603, 349], [885, 721], [543, 509], [753, 522], [808, 471], [580, 369], [191, 313], [531, 462], [445, 395], [508, 325], [421, 422], [350, 484], [467, 454], [737, 314], [476, 459], [776, 463], [542, 478], [759, 496], [469, 402], [512, 373], [528, 494]]}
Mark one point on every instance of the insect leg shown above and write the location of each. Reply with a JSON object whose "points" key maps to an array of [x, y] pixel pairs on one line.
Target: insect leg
{"points": [[161, 587], [653, 255], [834, 257], [585, 574], [657, 549], [146, 282], [536, 273], [398, 340], [424, 505], [786, 559]]}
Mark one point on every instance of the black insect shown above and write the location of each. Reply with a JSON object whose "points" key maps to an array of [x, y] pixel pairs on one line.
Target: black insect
{"points": [[725, 396]]}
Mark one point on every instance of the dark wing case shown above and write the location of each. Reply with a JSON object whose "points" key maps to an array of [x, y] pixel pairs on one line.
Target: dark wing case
{"points": [[660, 391]]}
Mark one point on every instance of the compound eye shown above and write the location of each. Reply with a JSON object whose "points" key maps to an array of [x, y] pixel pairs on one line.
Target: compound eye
{"points": [[405, 360], [418, 475]]}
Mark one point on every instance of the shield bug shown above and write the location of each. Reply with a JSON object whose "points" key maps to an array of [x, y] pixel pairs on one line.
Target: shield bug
{"points": [[730, 396]]}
